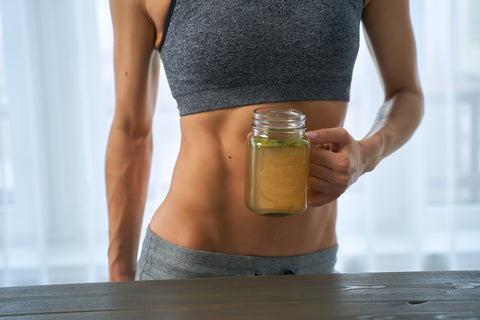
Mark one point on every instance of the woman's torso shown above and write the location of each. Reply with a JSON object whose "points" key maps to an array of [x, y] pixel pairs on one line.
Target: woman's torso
{"points": [[204, 208]]}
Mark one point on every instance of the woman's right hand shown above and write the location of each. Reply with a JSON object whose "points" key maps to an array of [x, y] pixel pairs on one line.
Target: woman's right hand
{"points": [[121, 272]]}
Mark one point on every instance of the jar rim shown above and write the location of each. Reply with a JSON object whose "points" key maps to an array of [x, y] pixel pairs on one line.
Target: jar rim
{"points": [[275, 118], [279, 112]]}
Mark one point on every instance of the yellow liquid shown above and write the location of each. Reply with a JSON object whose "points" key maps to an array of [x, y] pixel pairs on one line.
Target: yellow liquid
{"points": [[277, 176]]}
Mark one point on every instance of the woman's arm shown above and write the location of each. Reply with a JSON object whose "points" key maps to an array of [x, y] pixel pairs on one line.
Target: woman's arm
{"points": [[129, 149], [390, 39]]}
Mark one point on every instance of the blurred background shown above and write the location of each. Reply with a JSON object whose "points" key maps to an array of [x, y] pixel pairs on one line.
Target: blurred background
{"points": [[419, 210]]}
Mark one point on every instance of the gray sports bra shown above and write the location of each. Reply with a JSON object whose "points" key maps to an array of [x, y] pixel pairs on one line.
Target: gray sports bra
{"points": [[229, 53]]}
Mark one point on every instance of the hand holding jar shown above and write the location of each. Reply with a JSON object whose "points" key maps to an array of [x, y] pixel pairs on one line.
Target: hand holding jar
{"points": [[336, 162], [287, 168]]}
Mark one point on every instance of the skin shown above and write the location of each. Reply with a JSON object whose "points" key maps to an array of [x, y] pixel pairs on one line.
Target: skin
{"points": [[204, 207]]}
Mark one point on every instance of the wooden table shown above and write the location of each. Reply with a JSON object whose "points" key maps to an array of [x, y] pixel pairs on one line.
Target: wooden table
{"points": [[367, 296]]}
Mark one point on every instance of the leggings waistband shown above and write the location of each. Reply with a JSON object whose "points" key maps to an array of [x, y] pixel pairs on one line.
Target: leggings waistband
{"points": [[161, 259]]}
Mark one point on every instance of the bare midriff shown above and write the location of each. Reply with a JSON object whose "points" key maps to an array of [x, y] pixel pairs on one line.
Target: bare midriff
{"points": [[205, 209]]}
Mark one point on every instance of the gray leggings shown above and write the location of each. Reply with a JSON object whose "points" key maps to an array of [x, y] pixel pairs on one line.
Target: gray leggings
{"points": [[161, 259]]}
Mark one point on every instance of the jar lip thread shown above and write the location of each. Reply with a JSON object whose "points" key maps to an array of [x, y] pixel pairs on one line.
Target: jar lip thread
{"points": [[279, 112], [278, 118]]}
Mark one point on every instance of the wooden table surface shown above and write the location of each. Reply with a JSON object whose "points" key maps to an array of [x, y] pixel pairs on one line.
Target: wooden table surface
{"points": [[382, 296]]}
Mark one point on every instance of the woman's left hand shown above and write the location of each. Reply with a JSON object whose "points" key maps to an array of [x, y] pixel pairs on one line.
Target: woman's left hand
{"points": [[336, 162]]}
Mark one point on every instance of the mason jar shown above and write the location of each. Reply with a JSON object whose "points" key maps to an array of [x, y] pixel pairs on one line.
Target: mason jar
{"points": [[278, 155]]}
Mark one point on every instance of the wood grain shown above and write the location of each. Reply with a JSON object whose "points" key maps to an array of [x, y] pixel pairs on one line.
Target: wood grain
{"points": [[412, 295]]}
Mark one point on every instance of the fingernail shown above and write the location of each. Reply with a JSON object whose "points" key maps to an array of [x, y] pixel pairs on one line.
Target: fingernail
{"points": [[311, 135]]}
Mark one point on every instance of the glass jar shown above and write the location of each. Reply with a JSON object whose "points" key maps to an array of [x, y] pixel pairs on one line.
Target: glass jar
{"points": [[278, 156]]}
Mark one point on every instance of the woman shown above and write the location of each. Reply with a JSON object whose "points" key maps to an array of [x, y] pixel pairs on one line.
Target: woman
{"points": [[223, 60]]}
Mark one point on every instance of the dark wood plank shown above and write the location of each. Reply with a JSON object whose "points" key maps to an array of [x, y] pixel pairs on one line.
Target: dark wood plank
{"points": [[280, 295], [451, 310]]}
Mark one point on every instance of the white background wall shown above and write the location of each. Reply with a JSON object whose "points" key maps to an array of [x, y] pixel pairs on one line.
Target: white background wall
{"points": [[419, 210]]}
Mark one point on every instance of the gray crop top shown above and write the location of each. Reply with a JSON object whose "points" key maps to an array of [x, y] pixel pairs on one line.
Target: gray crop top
{"points": [[221, 54]]}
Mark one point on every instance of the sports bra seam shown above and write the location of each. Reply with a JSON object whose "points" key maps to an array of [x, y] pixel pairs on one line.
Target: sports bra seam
{"points": [[167, 24]]}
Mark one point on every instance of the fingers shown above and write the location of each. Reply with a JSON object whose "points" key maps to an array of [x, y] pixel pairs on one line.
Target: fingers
{"points": [[320, 175], [331, 164], [322, 191], [321, 178], [329, 176], [326, 185], [323, 157], [317, 199], [319, 157]]}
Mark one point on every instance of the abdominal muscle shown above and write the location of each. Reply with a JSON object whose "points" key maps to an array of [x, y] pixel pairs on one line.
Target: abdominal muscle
{"points": [[204, 208]]}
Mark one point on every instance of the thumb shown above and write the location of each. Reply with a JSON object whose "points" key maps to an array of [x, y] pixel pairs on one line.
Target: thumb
{"points": [[330, 135]]}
